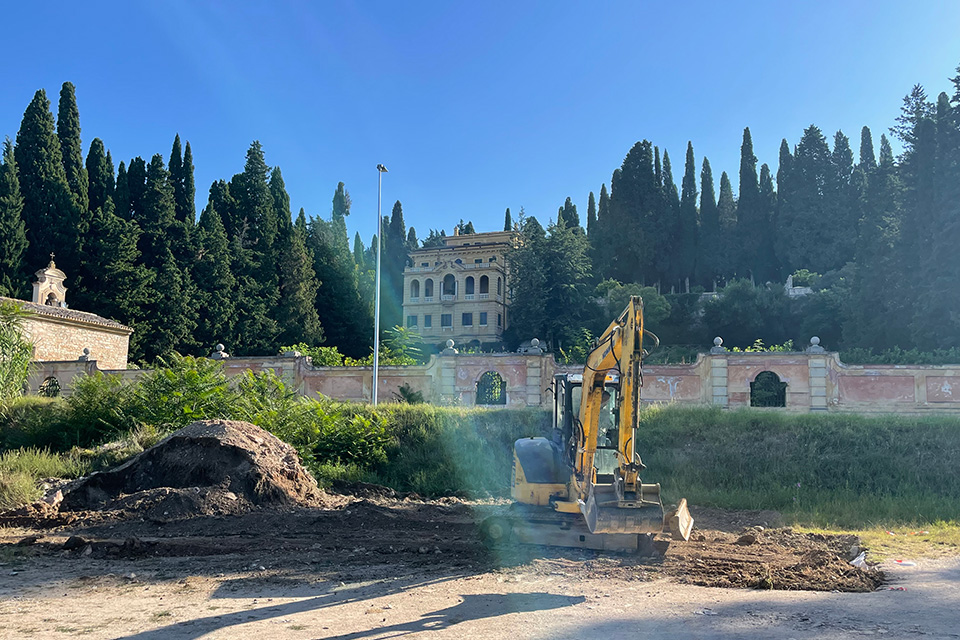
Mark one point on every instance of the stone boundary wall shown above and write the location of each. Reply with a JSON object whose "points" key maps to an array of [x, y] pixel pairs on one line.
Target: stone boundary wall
{"points": [[816, 381]]}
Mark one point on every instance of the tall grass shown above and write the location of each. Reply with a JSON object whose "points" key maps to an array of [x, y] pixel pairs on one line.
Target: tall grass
{"points": [[843, 469]]}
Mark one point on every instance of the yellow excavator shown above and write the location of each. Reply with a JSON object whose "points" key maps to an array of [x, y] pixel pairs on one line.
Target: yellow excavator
{"points": [[581, 487]]}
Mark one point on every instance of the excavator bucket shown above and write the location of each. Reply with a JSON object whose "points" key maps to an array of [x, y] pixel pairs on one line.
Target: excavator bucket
{"points": [[605, 513]]}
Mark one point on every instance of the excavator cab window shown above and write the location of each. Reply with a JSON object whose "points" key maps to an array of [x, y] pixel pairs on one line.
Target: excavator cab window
{"points": [[605, 460]]}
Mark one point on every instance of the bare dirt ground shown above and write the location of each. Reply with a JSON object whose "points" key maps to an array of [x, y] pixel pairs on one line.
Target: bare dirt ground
{"points": [[196, 539]]}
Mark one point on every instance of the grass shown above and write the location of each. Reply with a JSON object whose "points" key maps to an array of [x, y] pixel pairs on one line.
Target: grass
{"points": [[837, 471]]}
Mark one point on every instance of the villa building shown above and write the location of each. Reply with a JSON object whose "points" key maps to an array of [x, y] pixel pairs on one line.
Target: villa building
{"points": [[459, 290]]}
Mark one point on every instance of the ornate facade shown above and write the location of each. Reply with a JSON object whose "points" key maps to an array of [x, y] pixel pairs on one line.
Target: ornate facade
{"points": [[459, 290]]}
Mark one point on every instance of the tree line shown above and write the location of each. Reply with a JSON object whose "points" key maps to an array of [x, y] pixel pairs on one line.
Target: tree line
{"points": [[245, 273], [876, 236]]}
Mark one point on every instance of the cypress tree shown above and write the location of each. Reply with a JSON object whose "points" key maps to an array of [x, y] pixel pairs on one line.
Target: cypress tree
{"points": [[749, 216], [568, 213], [68, 132], [710, 239], [667, 226], [358, 252], [136, 188], [157, 214], [766, 265], [118, 285], [877, 317], [214, 281], [507, 221], [395, 257], [121, 193], [281, 203], [99, 175], [412, 242], [841, 202], [170, 314], [13, 235], [600, 251], [591, 214], [340, 211], [784, 198], [805, 214], [634, 202], [255, 259], [184, 191], [297, 319], [186, 202], [49, 211], [347, 316], [687, 237], [727, 208]]}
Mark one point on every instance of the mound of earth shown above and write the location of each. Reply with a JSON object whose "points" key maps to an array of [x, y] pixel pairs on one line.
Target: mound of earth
{"points": [[211, 467]]}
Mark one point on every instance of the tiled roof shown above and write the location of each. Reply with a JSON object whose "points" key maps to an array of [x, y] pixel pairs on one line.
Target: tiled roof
{"points": [[66, 314]]}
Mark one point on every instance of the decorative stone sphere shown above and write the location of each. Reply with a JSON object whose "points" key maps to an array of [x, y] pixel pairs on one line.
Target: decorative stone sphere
{"points": [[86, 351], [450, 343], [535, 343], [815, 341], [220, 347], [717, 341]]}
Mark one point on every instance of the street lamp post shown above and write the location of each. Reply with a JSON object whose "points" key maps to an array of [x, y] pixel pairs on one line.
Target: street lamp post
{"points": [[376, 295]]}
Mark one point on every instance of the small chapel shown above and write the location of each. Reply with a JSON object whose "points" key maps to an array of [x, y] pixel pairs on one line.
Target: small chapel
{"points": [[61, 334]]}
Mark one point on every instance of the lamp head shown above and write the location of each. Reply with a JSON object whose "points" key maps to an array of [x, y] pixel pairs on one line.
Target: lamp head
{"points": [[381, 168]]}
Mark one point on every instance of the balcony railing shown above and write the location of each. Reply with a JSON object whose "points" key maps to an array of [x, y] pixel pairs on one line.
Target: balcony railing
{"points": [[447, 297], [414, 298], [428, 298], [469, 296], [483, 296]]}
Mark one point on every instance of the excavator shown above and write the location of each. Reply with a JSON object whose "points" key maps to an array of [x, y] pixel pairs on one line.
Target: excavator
{"points": [[581, 487]]}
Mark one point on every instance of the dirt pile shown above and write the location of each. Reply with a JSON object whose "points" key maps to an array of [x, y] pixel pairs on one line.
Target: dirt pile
{"points": [[211, 467]]}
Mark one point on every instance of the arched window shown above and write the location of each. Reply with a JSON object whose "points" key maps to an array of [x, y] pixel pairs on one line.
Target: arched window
{"points": [[468, 288], [415, 289], [499, 286], [49, 388], [428, 288], [491, 389], [449, 285], [767, 390], [484, 284]]}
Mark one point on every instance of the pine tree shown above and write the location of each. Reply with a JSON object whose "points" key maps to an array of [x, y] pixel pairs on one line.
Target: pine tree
{"points": [[13, 235], [100, 178], [710, 238], [507, 221], [49, 211], [214, 281], [916, 107], [687, 244], [568, 216], [170, 314], [68, 132]]}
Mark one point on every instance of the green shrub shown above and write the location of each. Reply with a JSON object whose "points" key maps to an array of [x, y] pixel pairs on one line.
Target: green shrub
{"points": [[183, 389], [16, 351]]}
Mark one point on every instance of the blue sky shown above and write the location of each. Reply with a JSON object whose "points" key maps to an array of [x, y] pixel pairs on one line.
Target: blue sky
{"points": [[473, 107]]}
